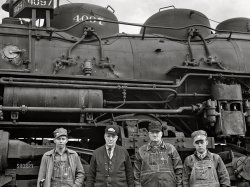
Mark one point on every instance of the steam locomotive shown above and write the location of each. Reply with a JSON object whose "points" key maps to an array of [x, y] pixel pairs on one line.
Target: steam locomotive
{"points": [[70, 67]]}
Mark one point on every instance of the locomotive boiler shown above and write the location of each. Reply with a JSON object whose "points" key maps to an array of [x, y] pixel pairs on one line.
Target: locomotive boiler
{"points": [[70, 67]]}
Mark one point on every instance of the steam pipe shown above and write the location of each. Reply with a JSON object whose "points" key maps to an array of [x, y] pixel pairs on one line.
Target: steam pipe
{"points": [[134, 102], [50, 85], [78, 86], [30, 45], [29, 124], [101, 48], [205, 45], [73, 46], [190, 48], [15, 70], [157, 102], [90, 82], [96, 110], [177, 116], [206, 75], [152, 87]]}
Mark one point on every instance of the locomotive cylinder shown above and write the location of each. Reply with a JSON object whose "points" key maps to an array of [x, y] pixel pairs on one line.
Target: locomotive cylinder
{"points": [[53, 97]]}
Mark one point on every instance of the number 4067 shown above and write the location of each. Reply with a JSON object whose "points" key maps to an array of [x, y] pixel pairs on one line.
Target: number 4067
{"points": [[92, 19]]}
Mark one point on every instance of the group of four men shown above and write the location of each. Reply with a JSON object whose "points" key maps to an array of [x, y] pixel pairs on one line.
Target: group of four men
{"points": [[157, 164]]}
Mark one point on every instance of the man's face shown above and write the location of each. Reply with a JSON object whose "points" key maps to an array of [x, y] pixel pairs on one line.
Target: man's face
{"points": [[201, 145], [110, 139], [155, 136], [61, 142]]}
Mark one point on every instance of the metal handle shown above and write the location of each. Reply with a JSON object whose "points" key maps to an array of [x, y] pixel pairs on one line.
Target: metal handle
{"points": [[166, 7], [111, 8]]}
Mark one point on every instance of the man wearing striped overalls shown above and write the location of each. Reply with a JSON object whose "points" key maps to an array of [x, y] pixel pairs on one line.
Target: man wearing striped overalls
{"points": [[203, 168]]}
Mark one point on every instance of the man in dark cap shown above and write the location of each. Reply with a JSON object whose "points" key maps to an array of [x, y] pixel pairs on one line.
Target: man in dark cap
{"points": [[157, 163], [60, 167], [110, 164], [204, 168]]}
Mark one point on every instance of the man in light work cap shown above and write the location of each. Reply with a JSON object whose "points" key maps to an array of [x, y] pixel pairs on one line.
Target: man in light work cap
{"points": [[110, 164], [204, 168], [200, 142], [157, 163], [60, 167], [60, 132]]}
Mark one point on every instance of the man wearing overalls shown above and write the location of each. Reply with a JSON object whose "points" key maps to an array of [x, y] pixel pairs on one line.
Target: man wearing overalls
{"points": [[157, 163], [203, 168], [60, 167]]}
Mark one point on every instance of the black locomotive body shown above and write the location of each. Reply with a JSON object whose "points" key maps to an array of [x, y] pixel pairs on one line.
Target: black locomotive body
{"points": [[77, 71]]}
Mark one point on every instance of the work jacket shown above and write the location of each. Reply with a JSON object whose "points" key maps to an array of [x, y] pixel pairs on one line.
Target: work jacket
{"points": [[158, 167], [207, 172], [114, 172], [47, 165]]}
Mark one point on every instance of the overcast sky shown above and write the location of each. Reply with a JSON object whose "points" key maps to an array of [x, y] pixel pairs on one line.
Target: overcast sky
{"points": [[138, 11]]}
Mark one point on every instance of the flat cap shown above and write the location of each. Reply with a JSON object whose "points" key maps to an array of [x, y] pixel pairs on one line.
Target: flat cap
{"points": [[199, 135], [60, 132], [154, 126], [112, 129]]}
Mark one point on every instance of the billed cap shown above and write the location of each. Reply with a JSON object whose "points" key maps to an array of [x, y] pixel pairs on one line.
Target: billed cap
{"points": [[60, 132], [154, 126], [112, 129], [199, 135]]}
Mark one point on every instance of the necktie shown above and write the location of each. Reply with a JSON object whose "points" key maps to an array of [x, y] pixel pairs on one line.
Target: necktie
{"points": [[109, 152]]}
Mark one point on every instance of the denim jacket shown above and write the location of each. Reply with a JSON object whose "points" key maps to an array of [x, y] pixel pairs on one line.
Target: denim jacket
{"points": [[158, 167]]}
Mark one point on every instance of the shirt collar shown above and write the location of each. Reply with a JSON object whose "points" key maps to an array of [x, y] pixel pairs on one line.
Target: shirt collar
{"points": [[204, 155], [52, 152], [65, 151], [162, 145], [112, 148]]}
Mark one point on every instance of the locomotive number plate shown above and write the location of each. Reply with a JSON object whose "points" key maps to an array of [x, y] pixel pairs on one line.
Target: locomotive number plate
{"points": [[22, 5]]}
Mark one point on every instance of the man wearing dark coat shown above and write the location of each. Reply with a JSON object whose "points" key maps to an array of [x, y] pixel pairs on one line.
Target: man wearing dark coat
{"points": [[110, 165]]}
